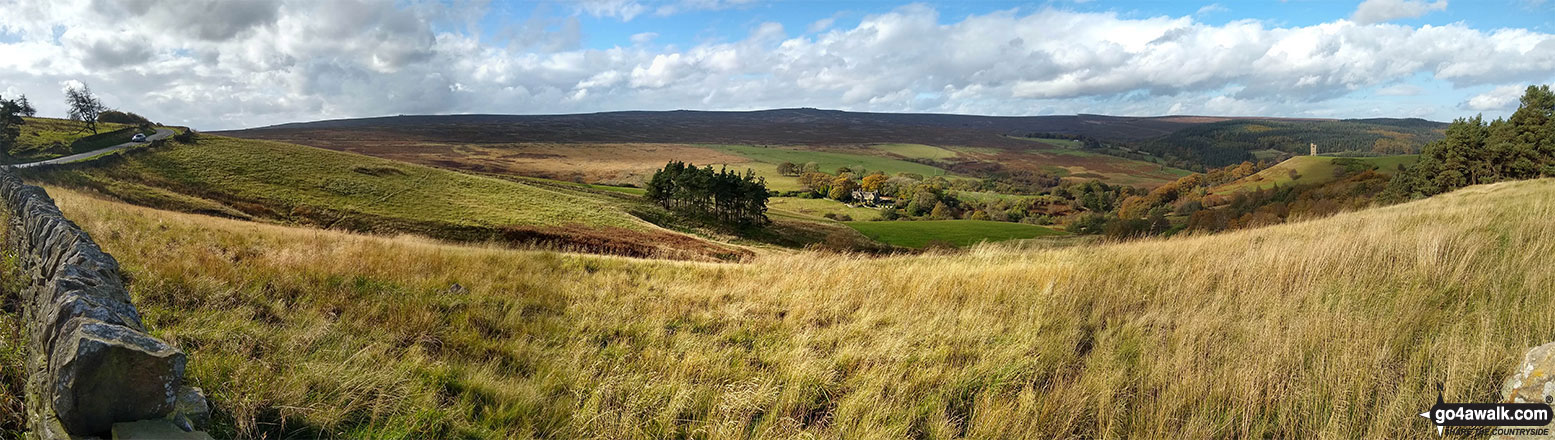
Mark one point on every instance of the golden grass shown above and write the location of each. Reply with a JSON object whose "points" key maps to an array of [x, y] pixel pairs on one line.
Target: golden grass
{"points": [[1333, 328]]}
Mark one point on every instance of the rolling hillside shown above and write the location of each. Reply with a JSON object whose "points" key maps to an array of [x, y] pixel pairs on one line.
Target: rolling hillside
{"points": [[1230, 142], [622, 147], [48, 138], [295, 184], [1311, 170], [1267, 333], [781, 126]]}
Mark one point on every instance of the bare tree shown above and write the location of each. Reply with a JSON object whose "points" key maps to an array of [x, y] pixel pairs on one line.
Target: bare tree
{"points": [[84, 106], [26, 107]]}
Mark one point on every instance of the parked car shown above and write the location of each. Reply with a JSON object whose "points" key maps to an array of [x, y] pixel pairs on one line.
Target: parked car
{"points": [[139, 137]]}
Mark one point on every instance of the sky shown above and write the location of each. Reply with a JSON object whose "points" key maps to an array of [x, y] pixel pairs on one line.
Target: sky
{"points": [[233, 64]]}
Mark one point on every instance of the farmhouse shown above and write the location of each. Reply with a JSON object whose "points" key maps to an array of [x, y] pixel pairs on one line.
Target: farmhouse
{"points": [[870, 198]]}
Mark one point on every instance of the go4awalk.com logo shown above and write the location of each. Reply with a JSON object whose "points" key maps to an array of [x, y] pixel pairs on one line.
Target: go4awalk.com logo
{"points": [[1482, 419]]}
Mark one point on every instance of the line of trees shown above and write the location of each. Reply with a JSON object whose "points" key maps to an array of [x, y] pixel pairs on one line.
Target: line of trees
{"points": [[725, 196], [1475, 152]]}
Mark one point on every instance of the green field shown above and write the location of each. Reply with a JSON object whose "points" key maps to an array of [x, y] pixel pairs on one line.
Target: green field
{"points": [[917, 234], [819, 207], [916, 151], [1065, 143], [1310, 170], [829, 161]]}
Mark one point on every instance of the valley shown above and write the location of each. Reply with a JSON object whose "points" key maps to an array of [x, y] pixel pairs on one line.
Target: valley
{"points": [[301, 332], [760, 219]]}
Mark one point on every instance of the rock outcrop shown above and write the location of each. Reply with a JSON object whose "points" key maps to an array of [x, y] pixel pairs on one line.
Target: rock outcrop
{"points": [[90, 362], [1533, 382]]}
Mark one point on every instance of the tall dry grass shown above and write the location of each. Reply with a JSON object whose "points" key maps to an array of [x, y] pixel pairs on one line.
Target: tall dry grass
{"points": [[1333, 328]]}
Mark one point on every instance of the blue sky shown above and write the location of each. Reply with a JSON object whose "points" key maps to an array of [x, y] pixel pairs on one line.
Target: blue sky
{"points": [[296, 60], [733, 22]]}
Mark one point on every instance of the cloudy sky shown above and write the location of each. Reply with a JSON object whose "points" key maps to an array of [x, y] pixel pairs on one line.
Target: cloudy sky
{"points": [[239, 63]]}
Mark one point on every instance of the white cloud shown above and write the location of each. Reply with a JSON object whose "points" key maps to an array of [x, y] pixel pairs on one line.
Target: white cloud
{"points": [[1211, 9], [821, 25], [625, 10], [644, 38], [1400, 90], [1499, 98], [1378, 11], [700, 5]]}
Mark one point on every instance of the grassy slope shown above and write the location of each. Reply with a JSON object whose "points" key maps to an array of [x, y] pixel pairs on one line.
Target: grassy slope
{"points": [[917, 234], [287, 175], [297, 184], [1311, 169], [47, 138], [1340, 327]]}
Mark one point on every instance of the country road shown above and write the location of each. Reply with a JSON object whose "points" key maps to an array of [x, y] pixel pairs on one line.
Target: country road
{"points": [[162, 133]]}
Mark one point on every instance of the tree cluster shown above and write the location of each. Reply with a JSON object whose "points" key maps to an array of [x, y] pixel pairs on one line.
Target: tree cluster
{"points": [[1475, 152], [11, 112], [792, 169], [1280, 204], [723, 195], [122, 117]]}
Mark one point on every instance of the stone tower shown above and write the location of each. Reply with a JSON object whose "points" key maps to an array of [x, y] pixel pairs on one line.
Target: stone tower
{"points": [[1314, 148]]}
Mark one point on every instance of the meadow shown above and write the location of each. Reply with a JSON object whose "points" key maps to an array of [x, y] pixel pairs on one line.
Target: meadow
{"points": [[916, 151], [960, 233], [818, 208], [1334, 328]]}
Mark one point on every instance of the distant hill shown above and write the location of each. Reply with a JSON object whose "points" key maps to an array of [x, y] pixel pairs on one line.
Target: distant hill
{"points": [[1191, 142], [1232, 141], [782, 126]]}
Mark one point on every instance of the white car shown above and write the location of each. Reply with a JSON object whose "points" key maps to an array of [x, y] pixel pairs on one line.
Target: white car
{"points": [[139, 137]]}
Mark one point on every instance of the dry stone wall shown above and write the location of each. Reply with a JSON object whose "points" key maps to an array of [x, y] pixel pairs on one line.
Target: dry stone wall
{"points": [[90, 362]]}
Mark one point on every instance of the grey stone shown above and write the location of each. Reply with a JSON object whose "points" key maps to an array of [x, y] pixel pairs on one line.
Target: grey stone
{"points": [[105, 373], [154, 429], [1533, 382], [192, 408]]}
